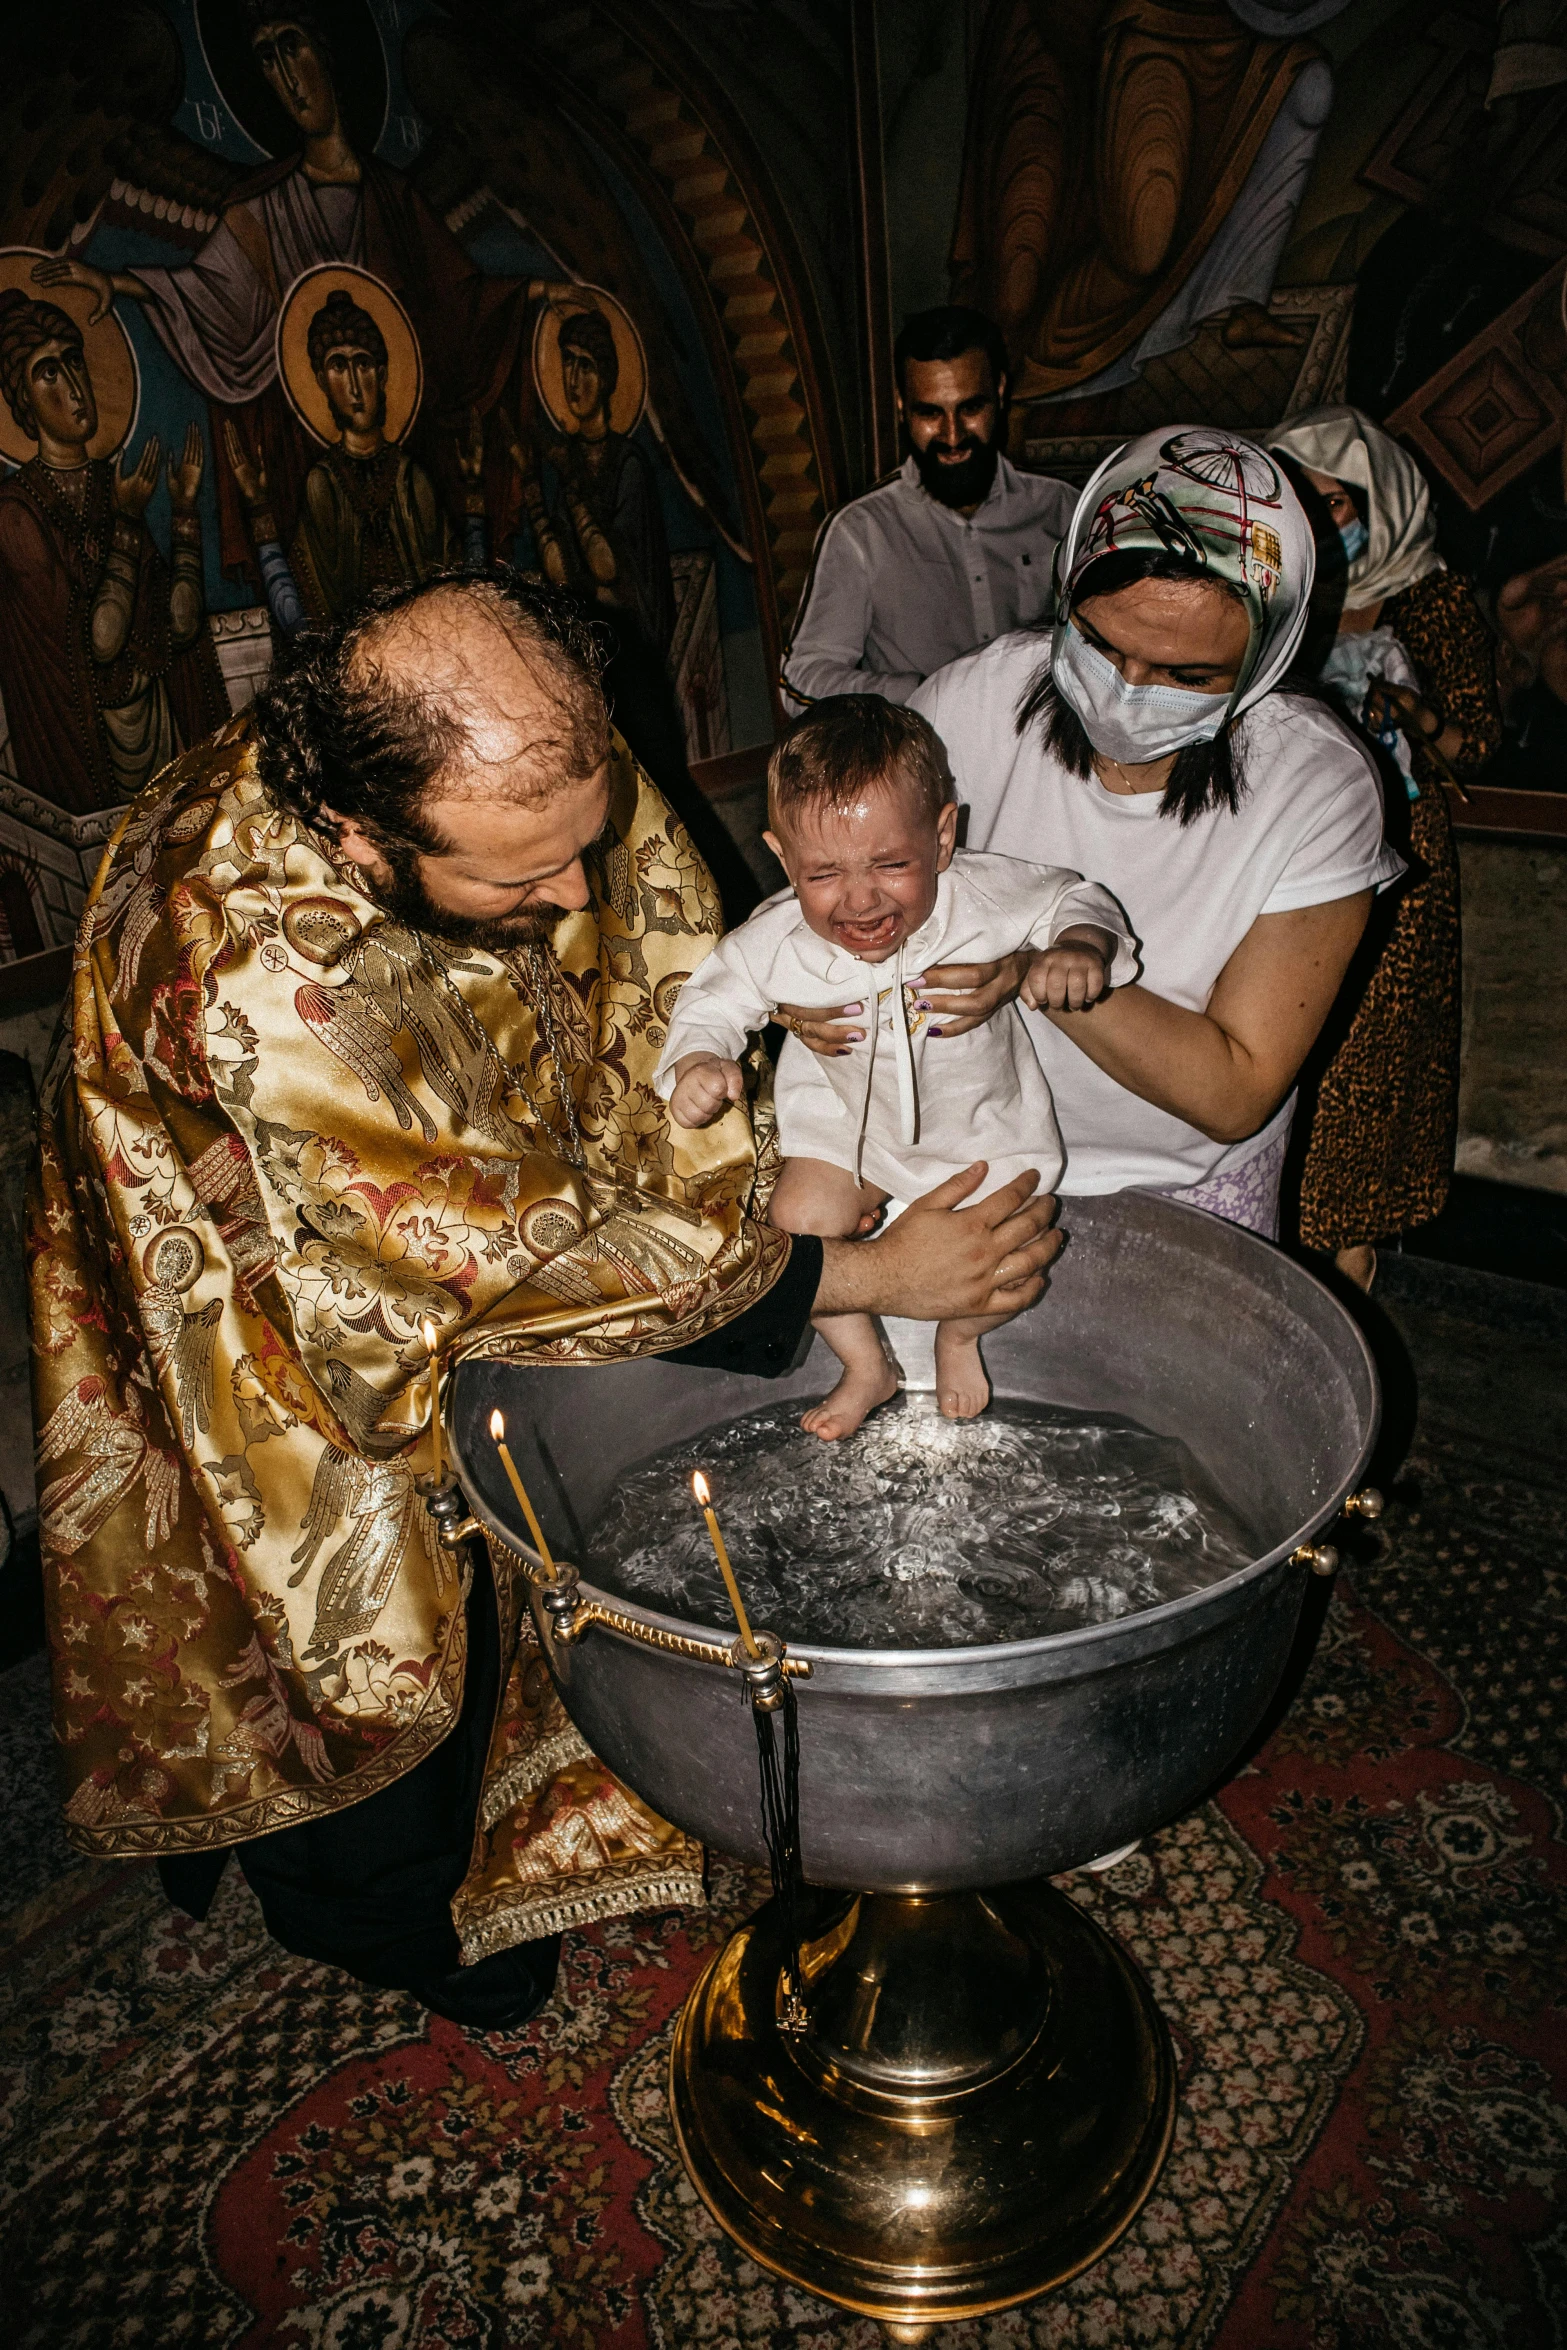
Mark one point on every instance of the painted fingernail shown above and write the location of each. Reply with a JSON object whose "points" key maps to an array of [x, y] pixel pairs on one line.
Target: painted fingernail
{"points": [[856, 1036], [849, 1010], [935, 1032], [922, 1006]]}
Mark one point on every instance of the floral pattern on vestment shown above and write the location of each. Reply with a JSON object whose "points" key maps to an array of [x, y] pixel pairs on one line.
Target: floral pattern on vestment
{"points": [[280, 1133]]}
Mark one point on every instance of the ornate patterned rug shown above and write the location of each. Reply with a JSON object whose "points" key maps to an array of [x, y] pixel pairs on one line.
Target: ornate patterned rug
{"points": [[1357, 1944]]}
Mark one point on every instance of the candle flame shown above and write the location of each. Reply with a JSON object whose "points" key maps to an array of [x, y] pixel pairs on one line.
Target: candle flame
{"points": [[701, 1488], [497, 1426], [430, 1334]]}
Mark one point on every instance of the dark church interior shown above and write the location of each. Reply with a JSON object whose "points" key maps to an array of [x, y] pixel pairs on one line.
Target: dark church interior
{"points": [[544, 545]]}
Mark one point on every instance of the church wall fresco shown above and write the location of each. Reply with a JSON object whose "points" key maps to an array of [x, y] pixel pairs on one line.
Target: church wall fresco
{"points": [[1226, 210], [1235, 210], [330, 297]]}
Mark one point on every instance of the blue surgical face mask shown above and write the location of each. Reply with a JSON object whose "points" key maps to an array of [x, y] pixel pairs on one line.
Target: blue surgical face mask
{"points": [[1129, 723], [1355, 537]]}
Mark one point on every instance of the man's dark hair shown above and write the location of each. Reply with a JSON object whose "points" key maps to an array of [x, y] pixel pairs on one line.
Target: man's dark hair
{"points": [[590, 332], [340, 325], [334, 728], [1205, 775], [946, 333], [847, 745]]}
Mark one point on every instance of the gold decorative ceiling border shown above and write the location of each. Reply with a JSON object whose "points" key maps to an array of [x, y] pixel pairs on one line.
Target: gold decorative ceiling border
{"points": [[682, 155]]}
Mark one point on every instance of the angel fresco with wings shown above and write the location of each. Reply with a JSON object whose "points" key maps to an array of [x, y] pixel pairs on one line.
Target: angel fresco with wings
{"points": [[309, 85]]}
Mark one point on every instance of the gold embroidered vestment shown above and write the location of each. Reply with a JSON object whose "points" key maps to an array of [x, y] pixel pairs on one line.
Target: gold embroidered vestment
{"points": [[282, 1131]]}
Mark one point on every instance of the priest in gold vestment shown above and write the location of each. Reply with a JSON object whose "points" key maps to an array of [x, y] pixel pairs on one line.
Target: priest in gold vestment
{"points": [[366, 1006]]}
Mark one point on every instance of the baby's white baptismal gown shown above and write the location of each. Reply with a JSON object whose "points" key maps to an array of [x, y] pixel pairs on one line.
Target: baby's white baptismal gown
{"points": [[902, 1110]]}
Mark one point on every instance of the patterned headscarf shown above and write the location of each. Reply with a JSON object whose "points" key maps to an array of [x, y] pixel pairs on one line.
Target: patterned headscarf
{"points": [[1400, 526], [1222, 504]]}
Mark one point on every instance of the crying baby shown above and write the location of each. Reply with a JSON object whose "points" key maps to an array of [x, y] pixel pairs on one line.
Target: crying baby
{"points": [[888, 1105]]}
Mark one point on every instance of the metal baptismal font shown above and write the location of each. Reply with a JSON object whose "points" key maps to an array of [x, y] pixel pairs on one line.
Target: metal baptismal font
{"points": [[968, 2094]]}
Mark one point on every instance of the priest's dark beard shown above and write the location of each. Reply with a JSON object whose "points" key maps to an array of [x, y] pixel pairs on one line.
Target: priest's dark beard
{"points": [[408, 901], [959, 485]]}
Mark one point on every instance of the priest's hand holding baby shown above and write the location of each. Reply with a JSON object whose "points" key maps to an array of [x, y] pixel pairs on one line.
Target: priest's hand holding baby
{"points": [[704, 1086]]}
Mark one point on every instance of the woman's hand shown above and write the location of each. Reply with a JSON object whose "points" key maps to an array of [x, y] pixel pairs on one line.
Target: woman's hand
{"points": [[961, 996], [828, 1030], [1400, 706]]}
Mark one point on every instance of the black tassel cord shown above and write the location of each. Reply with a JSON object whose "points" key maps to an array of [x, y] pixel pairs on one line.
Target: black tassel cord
{"points": [[781, 1827]]}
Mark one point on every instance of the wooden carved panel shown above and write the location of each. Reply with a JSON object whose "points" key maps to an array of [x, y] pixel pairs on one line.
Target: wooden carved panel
{"points": [[1500, 404]]}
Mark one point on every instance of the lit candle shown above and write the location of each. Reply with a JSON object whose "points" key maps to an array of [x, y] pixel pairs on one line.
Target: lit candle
{"points": [[700, 1488], [498, 1431], [430, 1336]]}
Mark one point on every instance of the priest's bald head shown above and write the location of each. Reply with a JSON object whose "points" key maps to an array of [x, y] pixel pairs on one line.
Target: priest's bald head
{"points": [[453, 740]]}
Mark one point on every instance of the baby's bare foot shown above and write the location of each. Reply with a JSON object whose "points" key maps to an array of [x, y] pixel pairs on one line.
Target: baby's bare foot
{"points": [[961, 1384], [857, 1392]]}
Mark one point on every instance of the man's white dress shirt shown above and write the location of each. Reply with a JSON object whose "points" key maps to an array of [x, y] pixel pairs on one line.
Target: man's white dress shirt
{"points": [[901, 585]]}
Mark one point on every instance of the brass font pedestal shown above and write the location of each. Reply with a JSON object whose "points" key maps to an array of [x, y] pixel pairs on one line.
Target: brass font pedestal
{"points": [[980, 2106]]}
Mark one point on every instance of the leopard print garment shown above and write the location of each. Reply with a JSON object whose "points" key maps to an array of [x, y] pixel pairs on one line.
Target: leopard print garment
{"points": [[1382, 1117]]}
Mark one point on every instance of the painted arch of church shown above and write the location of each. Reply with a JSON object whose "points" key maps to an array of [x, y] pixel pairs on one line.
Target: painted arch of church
{"points": [[537, 189]]}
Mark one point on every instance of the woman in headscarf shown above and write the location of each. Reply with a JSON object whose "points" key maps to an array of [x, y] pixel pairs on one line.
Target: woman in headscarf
{"points": [[1413, 661], [1146, 743]]}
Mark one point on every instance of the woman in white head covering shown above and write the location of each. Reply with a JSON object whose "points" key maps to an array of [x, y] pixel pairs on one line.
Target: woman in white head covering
{"points": [[1146, 738], [1405, 622], [1412, 661]]}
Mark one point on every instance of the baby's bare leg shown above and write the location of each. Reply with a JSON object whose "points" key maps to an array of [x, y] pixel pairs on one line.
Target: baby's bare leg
{"points": [[961, 1385], [813, 1196]]}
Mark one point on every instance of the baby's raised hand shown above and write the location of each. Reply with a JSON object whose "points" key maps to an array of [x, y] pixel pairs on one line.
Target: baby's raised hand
{"points": [[1072, 974], [704, 1085]]}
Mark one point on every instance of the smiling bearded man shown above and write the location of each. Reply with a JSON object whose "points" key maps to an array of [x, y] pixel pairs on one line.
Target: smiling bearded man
{"points": [[365, 1012]]}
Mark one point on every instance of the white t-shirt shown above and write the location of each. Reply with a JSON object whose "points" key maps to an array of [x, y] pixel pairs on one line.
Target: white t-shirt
{"points": [[1308, 829]]}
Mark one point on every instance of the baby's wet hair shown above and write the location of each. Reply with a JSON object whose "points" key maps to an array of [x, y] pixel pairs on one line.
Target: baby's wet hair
{"points": [[844, 747]]}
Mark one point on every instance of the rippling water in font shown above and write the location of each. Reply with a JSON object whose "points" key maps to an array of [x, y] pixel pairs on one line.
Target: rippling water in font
{"points": [[920, 1532]]}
